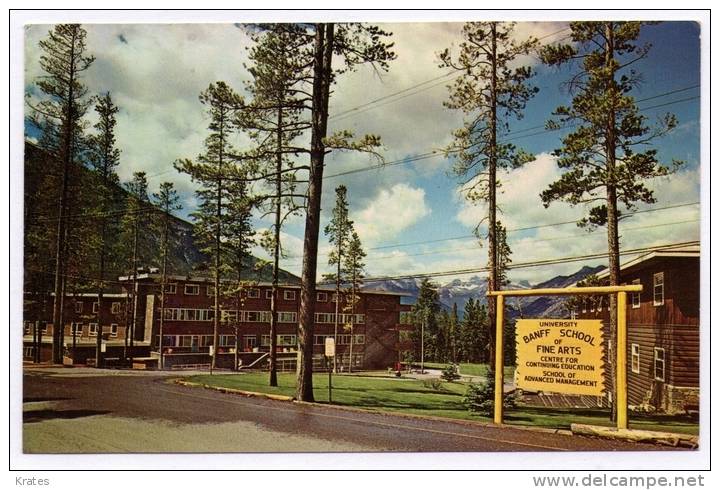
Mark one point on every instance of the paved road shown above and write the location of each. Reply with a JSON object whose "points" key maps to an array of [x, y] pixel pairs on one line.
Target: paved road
{"points": [[93, 411]]}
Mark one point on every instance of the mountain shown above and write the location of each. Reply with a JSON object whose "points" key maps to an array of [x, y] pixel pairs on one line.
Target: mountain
{"points": [[460, 291], [42, 173]]}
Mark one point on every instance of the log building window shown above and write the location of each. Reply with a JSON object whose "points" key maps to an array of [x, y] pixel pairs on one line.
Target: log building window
{"points": [[78, 306], [635, 358], [659, 364], [322, 297], [635, 297], [192, 289], [289, 295], [115, 308], [659, 289], [253, 293]]}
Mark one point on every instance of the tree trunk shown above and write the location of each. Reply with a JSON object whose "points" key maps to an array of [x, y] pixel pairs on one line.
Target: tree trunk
{"points": [[276, 251], [492, 184], [136, 232], [60, 256], [163, 281], [218, 233], [612, 222], [322, 72], [337, 300], [98, 344]]}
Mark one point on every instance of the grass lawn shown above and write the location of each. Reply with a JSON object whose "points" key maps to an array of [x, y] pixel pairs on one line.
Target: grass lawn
{"points": [[419, 397], [472, 369]]}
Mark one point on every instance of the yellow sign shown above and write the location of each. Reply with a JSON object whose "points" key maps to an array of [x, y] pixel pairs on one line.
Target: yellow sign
{"points": [[561, 356]]}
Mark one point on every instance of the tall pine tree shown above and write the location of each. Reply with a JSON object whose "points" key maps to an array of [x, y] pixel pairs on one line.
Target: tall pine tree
{"points": [[167, 201], [353, 45], [605, 160], [354, 272], [214, 170], [489, 92], [338, 232], [59, 116], [104, 159]]}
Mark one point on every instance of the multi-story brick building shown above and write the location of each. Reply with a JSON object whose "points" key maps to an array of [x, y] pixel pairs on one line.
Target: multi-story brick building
{"points": [[371, 332], [80, 319]]}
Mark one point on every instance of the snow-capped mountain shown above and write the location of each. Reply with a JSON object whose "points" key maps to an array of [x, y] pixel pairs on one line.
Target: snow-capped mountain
{"points": [[459, 291]]}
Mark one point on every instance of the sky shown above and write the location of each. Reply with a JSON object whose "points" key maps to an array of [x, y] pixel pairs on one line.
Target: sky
{"points": [[410, 214]]}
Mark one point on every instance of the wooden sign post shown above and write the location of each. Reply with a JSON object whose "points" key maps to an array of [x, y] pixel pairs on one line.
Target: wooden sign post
{"points": [[574, 338]]}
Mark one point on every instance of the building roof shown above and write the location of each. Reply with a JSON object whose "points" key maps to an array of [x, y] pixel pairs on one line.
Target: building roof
{"points": [[198, 278], [682, 251]]}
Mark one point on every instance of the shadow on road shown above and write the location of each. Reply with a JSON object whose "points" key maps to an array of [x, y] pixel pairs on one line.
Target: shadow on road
{"points": [[40, 415]]}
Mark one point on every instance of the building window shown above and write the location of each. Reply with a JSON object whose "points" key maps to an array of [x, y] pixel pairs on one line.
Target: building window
{"points": [[93, 329], [287, 317], [257, 316], [359, 339], [229, 316], [289, 295], [47, 328], [250, 341], [76, 329], [282, 340], [322, 297], [115, 308], [253, 293], [635, 297], [27, 328], [96, 307], [113, 329], [659, 364], [189, 315], [192, 289], [659, 289], [268, 294], [171, 288], [78, 306], [320, 339], [287, 340], [635, 358], [227, 341]]}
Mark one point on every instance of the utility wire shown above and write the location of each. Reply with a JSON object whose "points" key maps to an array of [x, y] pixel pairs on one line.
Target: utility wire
{"points": [[533, 263]]}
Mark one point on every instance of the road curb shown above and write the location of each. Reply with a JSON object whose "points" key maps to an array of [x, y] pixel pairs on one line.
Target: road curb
{"points": [[472, 423], [282, 398], [630, 435], [672, 439]]}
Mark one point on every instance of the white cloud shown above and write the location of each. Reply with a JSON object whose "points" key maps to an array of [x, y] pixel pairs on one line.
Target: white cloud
{"points": [[390, 212], [521, 208]]}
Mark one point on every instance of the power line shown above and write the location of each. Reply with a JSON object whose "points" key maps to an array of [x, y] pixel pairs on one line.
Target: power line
{"points": [[538, 240], [529, 264], [436, 153], [385, 99], [512, 230], [524, 228]]}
